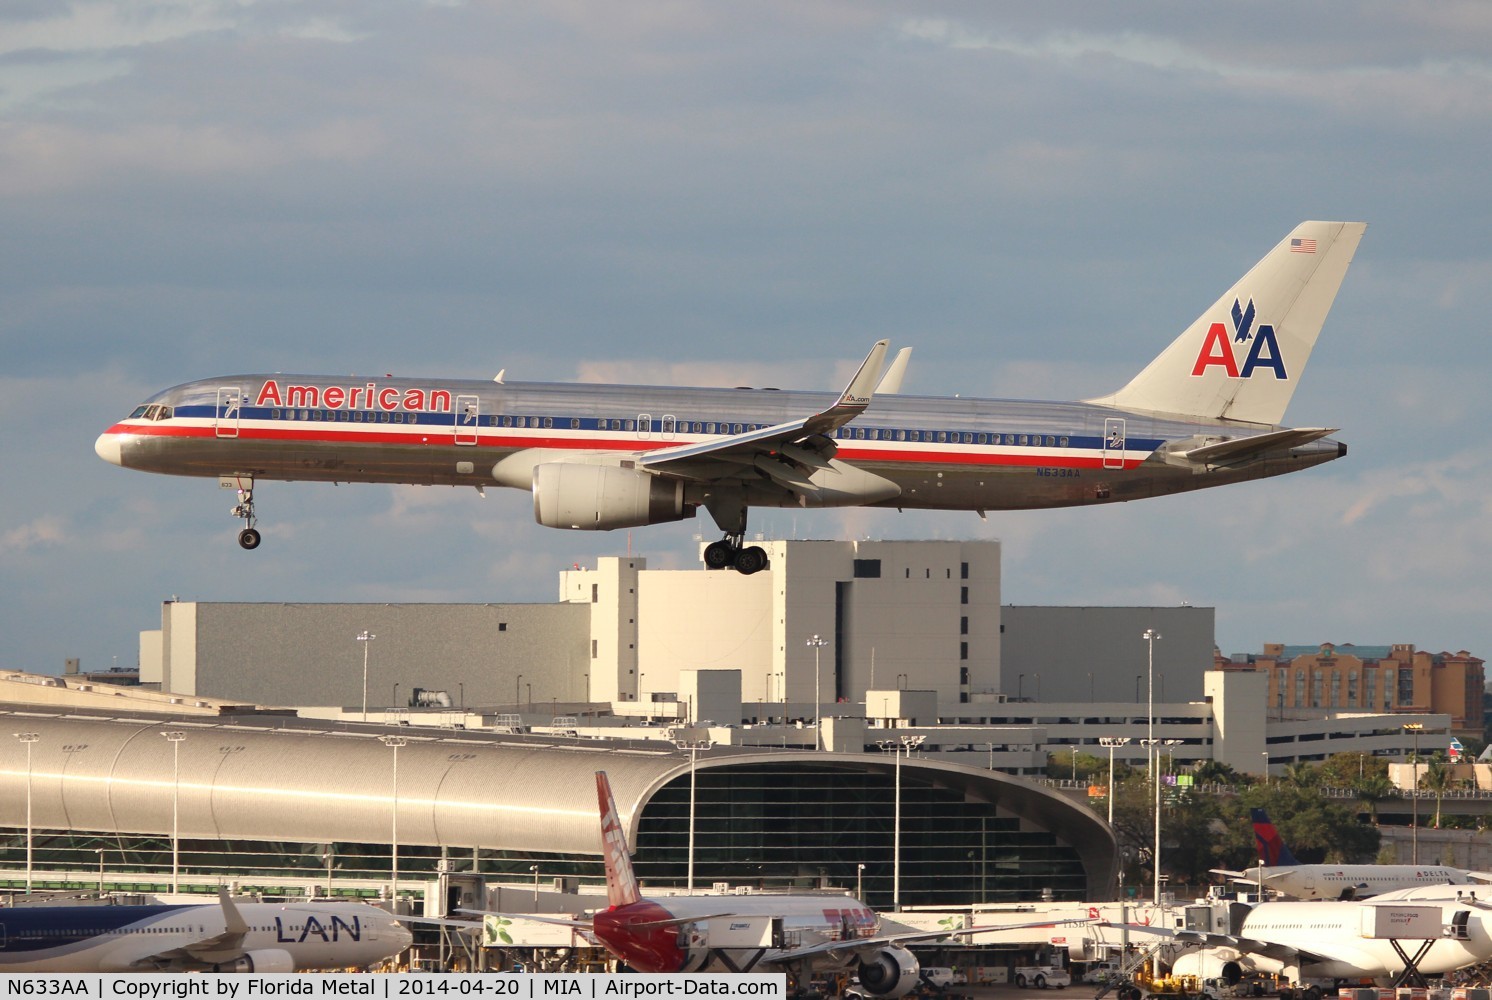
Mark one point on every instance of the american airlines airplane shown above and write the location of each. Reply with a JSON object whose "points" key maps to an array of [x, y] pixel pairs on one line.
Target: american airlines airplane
{"points": [[198, 937], [1282, 872], [1206, 412]]}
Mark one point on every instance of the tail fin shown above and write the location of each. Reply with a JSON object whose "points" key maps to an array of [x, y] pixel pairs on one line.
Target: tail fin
{"points": [[1241, 359], [1272, 848], [621, 883]]}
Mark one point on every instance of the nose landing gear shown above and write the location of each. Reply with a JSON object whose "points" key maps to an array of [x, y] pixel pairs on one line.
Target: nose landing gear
{"points": [[249, 537]]}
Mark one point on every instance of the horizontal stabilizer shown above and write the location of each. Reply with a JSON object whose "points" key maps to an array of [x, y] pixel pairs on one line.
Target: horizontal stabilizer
{"points": [[1241, 449]]}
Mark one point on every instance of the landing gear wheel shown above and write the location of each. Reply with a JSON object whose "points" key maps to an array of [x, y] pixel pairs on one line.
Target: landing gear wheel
{"points": [[751, 560], [720, 555], [249, 538]]}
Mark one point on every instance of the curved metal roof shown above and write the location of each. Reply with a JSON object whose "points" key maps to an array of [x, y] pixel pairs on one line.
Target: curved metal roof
{"points": [[289, 780]]}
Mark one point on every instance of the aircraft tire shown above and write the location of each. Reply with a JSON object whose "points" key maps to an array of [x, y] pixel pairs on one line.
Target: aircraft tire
{"points": [[751, 560], [719, 555], [250, 538]]}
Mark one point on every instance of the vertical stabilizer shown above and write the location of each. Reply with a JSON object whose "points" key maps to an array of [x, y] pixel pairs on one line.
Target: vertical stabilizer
{"points": [[1272, 849], [1241, 359], [621, 883]]}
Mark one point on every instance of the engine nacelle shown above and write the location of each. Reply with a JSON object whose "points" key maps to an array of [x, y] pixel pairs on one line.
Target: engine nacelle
{"points": [[264, 960], [602, 497], [890, 972], [1209, 964]]}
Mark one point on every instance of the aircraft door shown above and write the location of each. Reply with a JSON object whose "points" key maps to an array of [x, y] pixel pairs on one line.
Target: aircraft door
{"points": [[1113, 443], [644, 425], [667, 426], [468, 417], [225, 417]]}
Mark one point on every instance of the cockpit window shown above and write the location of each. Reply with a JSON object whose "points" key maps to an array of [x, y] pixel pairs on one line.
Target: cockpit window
{"points": [[154, 411], [139, 412]]}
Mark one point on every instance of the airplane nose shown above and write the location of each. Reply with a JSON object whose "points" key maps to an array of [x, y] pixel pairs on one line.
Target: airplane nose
{"points": [[108, 448]]}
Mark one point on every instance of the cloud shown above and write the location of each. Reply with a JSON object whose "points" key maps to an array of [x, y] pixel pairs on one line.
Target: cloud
{"points": [[40, 533]]}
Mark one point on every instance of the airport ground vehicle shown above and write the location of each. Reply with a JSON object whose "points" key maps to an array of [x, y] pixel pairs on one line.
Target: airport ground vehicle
{"points": [[1041, 976]]}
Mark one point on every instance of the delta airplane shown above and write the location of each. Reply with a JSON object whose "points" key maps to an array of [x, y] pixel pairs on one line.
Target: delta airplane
{"points": [[1206, 412], [1336, 940], [797, 934], [1281, 872], [198, 937]]}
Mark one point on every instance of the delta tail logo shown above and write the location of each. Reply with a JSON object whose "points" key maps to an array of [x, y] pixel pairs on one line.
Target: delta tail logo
{"points": [[1263, 349]]}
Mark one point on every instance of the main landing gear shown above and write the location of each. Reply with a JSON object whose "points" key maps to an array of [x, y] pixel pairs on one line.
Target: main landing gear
{"points": [[249, 537], [728, 554]]}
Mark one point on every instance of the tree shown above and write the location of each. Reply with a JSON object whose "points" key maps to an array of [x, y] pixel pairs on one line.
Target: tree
{"points": [[1317, 830], [1302, 775], [1373, 790], [1348, 770], [1213, 772], [1438, 777]]}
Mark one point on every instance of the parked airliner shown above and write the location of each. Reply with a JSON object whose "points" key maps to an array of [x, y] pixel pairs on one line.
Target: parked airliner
{"points": [[1206, 412], [198, 937], [1336, 940], [1281, 872], [799, 934]]}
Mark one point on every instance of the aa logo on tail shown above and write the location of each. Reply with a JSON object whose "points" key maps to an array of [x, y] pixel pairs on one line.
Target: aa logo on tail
{"points": [[1263, 349]]}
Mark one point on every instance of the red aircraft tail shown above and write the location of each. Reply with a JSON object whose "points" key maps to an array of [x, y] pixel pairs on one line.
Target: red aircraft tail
{"points": [[621, 883]]}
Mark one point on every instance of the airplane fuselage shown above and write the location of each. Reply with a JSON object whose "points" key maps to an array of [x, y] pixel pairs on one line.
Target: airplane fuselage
{"points": [[280, 938], [657, 934], [940, 453], [1332, 881]]}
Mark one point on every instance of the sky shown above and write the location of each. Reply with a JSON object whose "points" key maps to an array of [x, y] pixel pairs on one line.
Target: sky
{"points": [[1036, 197]]}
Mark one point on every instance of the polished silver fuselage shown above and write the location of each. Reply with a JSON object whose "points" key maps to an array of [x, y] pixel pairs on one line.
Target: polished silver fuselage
{"points": [[943, 453]]}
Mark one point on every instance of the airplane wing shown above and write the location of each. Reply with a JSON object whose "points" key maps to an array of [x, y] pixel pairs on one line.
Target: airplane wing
{"points": [[1234, 450], [1207, 939], [803, 443], [856, 944], [211, 950]]}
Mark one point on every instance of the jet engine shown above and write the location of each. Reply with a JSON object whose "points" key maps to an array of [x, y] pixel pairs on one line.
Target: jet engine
{"points": [[602, 497], [265, 960], [1209, 963], [890, 972]]}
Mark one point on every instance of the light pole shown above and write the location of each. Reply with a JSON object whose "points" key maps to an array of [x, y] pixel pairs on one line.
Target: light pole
{"points": [[816, 642], [694, 747], [1414, 729], [1154, 748], [1113, 743], [898, 746], [394, 743], [100, 852], [365, 637], [535, 870], [27, 739], [517, 687], [860, 880], [174, 737], [1150, 636]]}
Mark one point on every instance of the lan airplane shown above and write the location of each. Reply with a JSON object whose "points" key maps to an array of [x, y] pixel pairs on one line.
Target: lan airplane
{"points": [[1280, 871], [198, 937], [1205, 412]]}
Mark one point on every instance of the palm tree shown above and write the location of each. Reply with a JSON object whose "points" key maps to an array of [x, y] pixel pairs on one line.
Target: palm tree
{"points": [[1438, 778], [1301, 774], [1373, 790]]}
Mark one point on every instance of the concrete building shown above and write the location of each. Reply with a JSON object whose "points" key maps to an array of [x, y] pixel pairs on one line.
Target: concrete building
{"points": [[297, 796], [1097, 654], [1395, 678]]}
